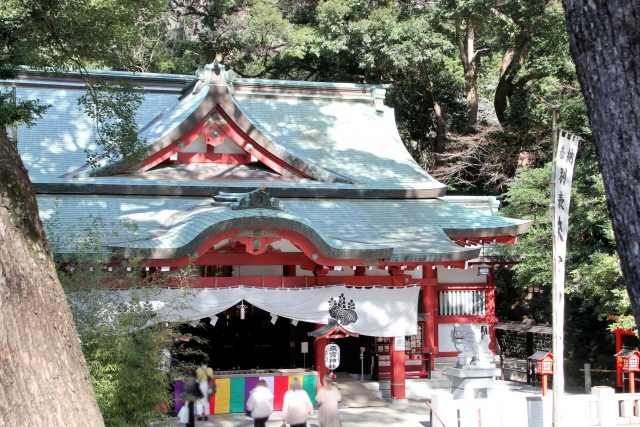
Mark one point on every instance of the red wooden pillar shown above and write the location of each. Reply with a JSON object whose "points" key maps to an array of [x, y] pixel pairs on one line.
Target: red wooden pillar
{"points": [[619, 377], [318, 350], [360, 271], [397, 371], [491, 310], [429, 305]]}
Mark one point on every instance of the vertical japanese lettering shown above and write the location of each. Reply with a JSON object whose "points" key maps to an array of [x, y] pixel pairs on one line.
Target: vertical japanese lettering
{"points": [[570, 156], [562, 178], [560, 203]]}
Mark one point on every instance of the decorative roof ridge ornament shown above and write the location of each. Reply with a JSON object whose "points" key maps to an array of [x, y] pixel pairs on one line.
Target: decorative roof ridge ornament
{"points": [[256, 199], [213, 74], [378, 94]]}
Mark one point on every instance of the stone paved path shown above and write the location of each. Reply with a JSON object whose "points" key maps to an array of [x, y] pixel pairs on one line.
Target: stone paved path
{"points": [[413, 414]]}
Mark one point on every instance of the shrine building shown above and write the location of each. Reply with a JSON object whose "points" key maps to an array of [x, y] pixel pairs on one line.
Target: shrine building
{"points": [[298, 205]]}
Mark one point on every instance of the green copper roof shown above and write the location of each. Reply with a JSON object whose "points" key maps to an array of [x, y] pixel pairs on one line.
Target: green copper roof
{"points": [[398, 230], [341, 135]]}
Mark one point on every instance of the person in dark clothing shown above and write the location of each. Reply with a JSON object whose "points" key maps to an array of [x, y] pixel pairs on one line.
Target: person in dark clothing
{"points": [[191, 394]]}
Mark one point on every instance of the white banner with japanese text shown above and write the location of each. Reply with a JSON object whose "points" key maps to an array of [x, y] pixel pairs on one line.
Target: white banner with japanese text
{"points": [[564, 163]]}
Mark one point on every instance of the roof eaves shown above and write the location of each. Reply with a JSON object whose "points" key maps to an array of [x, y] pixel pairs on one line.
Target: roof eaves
{"points": [[506, 230]]}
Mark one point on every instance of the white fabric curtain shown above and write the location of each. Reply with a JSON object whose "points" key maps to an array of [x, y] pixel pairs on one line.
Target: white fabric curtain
{"points": [[382, 312]]}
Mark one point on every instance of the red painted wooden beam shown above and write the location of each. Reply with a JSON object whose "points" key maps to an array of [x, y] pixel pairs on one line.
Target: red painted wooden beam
{"points": [[465, 286], [296, 281], [413, 265], [311, 252], [226, 159], [188, 137], [229, 129], [243, 140], [238, 259]]}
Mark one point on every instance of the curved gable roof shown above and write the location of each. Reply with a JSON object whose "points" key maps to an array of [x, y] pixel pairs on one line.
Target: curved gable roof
{"points": [[330, 133]]}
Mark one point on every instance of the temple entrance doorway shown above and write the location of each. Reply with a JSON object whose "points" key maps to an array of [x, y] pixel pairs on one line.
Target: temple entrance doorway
{"points": [[256, 343], [253, 342]]}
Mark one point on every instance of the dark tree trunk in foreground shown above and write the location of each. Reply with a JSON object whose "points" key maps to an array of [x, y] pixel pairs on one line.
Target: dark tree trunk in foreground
{"points": [[43, 377], [604, 38]]}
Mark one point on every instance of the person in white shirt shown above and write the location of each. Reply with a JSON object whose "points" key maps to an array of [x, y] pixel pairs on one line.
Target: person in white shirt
{"points": [[260, 404], [297, 405]]}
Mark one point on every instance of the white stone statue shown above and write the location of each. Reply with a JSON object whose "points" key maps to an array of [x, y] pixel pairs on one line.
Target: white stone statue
{"points": [[464, 339]]}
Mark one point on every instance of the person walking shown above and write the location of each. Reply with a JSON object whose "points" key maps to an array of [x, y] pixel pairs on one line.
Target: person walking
{"points": [[328, 397], [191, 393], [297, 405], [204, 375], [260, 404]]}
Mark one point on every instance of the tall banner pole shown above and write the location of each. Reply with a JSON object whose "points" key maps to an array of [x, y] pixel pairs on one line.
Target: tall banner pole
{"points": [[565, 150]]}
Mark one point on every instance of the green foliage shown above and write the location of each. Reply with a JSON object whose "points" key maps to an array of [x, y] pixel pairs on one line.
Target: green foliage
{"points": [[71, 34], [595, 289], [112, 108], [132, 358], [22, 112], [77, 35]]}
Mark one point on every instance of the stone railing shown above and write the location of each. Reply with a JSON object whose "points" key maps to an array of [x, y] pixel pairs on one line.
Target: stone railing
{"points": [[603, 408]]}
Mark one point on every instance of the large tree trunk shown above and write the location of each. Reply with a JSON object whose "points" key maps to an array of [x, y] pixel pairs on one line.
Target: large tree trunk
{"points": [[605, 44], [43, 377], [504, 90], [466, 45], [440, 130]]}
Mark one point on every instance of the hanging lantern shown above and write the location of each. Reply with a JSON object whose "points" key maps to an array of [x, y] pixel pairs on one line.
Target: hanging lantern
{"points": [[484, 269], [242, 307], [332, 356]]}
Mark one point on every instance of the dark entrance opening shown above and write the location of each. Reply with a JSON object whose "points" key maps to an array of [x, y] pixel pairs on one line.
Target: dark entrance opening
{"points": [[255, 343], [350, 354]]}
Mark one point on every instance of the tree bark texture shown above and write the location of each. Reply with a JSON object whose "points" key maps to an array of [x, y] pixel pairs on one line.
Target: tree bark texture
{"points": [[604, 38], [510, 82], [440, 130], [44, 380], [466, 45]]}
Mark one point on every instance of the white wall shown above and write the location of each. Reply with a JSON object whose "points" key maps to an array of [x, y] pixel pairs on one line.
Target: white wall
{"points": [[228, 147], [196, 146], [285, 246], [459, 275]]}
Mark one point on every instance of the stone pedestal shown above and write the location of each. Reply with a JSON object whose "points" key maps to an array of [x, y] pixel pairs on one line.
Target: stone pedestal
{"points": [[471, 382]]}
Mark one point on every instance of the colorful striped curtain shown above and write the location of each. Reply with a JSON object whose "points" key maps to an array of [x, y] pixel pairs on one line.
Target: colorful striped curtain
{"points": [[233, 393]]}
